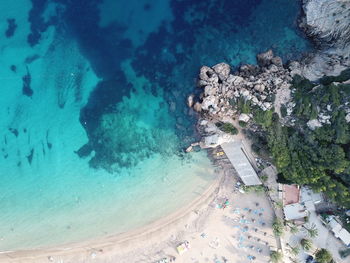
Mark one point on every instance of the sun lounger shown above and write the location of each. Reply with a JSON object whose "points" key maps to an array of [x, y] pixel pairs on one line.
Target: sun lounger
{"points": [[183, 247]]}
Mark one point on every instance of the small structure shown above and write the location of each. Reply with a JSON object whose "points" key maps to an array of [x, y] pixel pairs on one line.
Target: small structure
{"points": [[236, 154], [183, 247], [338, 231], [291, 194], [310, 198], [292, 207], [295, 211]]}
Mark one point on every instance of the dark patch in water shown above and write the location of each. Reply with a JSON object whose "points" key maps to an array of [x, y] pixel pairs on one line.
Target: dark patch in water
{"points": [[6, 155], [19, 164], [5, 140], [103, 47], [147, 7], [102, 100], [13, 68], [43, 148], [14, 131], [11, 27], [84, 151], [26, 88], [30, 156], [30, 59], [49, 145], [37, 23]]}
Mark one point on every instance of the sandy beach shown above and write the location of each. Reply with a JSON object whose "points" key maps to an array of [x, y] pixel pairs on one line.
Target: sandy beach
{"points": [[240, 231]]}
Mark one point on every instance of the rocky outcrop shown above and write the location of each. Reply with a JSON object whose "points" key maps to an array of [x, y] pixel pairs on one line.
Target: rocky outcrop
{"points": [[257, 84], [222, 91], [327, 23]]}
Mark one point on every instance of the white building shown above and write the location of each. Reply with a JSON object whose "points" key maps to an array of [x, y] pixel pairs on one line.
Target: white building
{"points": [[237, 156], [339, 232]]}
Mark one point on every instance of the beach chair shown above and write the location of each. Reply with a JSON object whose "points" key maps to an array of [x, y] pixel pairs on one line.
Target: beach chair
{"points": [[183, 247]]}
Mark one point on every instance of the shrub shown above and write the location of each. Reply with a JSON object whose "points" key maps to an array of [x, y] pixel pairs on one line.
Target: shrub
{"points": [[254, 188], [227, 127], [242, 124], [283, 110]]}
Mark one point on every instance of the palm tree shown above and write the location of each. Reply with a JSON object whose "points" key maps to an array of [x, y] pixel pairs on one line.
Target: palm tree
{"points": [[277, 227], [312, 231], [294, 250], [293, 229], [306, 244], [323, 256], [276, 256]]}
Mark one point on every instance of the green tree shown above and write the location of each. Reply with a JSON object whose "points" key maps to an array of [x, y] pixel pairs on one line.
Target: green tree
{"points": [[312, 231], [323, 256], [276, 256], [306, 244]]}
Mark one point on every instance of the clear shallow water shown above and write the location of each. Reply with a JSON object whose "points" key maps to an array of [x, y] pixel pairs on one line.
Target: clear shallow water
{"points": [[93, 115]]}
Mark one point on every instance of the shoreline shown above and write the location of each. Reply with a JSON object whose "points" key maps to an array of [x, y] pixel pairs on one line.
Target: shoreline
{"points": [[159, 230]]}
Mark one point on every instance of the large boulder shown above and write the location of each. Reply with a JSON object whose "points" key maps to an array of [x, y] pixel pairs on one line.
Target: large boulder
{"points": [[209, 101], [190, 100], [244, 117], [197, 107], [208, 75], [222, 70], [264, 59]]}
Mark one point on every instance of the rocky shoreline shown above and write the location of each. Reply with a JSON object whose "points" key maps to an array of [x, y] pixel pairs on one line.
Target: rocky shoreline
{"points": [[267, 85]]}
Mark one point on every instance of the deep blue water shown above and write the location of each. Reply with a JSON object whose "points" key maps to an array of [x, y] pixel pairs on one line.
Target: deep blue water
{"points": [[94, 94]]}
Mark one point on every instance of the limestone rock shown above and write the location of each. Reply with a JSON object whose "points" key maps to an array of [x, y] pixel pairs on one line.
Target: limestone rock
{"points": [[259, 87], [210, 90], [313, 124], [190, 100], [244, 117], [207, 74], [223, 70], [277, 61], [197, 107], [208, 102], [235, 80], [264, 59]]}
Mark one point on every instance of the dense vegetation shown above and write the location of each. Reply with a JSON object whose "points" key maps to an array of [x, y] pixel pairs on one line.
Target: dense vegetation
{"points": [[227, 127], [319, 158]]}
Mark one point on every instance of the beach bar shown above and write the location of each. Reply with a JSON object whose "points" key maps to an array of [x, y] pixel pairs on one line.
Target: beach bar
{"points": [[240, 161]]}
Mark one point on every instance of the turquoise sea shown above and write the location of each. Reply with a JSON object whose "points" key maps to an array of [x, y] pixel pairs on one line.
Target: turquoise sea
{"points": [[93, 116]]}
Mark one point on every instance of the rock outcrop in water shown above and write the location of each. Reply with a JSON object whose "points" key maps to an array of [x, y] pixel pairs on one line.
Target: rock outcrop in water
{"points": [[327, 23], [222, 91], [257, 84]]}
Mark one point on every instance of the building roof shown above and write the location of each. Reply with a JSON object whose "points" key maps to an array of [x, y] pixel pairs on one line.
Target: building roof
{"points": [[294, 211], [339, 231], [235, 153], [290, 194]]}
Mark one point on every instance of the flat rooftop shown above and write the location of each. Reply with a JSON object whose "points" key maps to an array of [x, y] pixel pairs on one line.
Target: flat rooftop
{"points": [[291, 194], [235, 153]]}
